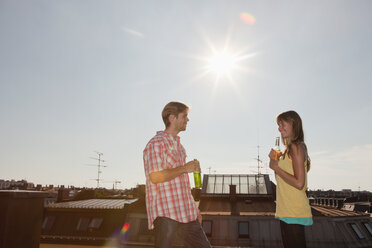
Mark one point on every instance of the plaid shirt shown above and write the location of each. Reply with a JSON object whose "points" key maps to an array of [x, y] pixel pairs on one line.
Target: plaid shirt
{"points": [[170, 199]]}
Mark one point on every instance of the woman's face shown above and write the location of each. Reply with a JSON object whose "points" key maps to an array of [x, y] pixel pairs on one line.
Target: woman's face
{"points": [[285, 129]]}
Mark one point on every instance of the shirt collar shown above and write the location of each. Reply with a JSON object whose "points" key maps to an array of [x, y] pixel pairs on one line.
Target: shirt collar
{"points": [[168, 135]]}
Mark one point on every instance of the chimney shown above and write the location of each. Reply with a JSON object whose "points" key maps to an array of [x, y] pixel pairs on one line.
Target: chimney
{"points": [[63, 194], [233, 200]]}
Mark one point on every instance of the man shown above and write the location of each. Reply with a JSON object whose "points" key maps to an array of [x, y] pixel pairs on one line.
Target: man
{"points": [[170, 205]]}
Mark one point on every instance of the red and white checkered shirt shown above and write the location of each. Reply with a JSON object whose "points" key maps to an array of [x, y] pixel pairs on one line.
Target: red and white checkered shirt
{"points": [[170, 199]]}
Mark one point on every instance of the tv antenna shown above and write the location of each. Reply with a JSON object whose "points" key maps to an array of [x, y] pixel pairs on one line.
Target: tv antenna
{"points": [[115, 183], [99, 165], [259, 161], [211, 171]]}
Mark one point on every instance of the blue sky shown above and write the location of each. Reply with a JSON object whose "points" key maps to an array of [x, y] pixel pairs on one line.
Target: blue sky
{"points": [[84, 76]]}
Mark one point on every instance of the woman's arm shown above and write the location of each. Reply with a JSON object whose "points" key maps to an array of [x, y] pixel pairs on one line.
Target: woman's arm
{"points": [[298, 159]]}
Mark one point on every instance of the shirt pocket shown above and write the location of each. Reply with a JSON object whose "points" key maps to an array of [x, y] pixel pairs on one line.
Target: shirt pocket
{"points": [[171, 159]]}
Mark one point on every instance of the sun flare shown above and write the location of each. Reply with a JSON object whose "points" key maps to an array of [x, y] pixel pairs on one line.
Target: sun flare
{"points": [[222, 63], [225, 65]]}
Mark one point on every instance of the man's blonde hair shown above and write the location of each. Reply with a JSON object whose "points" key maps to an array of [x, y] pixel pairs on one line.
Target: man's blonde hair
{"points": [[173, 108]]}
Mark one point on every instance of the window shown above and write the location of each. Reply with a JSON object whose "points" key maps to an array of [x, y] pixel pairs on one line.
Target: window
{"points": [[245, 184], [357, 231], [211, 183], [243, 227], [82, 224], [95, 223], [48, 222], [207, 227], [226, 185], [252, 185], [243, 189], [368, 227], [261, 185], [219, 183]]}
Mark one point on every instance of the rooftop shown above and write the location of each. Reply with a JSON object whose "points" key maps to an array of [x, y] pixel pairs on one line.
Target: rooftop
{"points": [[93, 204]]}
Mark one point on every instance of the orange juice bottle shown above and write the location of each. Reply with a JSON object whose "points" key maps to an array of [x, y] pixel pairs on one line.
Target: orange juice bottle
{"points": [[276, 149]]}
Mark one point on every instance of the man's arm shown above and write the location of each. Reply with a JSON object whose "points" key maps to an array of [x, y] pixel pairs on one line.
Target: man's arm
{"points": [[169, 174]]}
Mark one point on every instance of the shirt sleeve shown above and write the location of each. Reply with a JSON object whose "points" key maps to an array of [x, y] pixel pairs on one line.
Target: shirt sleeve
{"points": [[153, 158]]}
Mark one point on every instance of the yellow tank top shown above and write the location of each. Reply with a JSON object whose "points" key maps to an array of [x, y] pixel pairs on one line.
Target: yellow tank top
{"points": [[291, 202]]}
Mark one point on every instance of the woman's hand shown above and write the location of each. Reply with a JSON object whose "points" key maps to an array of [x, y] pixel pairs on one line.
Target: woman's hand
{"points": [[271, 154], [274, 164]]}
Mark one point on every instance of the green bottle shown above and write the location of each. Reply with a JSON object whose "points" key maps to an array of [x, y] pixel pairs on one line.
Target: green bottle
{"points": [[197, 178]]}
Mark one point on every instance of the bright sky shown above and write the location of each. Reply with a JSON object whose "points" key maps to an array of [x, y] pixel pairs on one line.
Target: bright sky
{"points": [[83, 76]]}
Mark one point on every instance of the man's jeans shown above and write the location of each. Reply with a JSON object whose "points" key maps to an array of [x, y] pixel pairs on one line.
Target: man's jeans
{"points": [[191, 233]]}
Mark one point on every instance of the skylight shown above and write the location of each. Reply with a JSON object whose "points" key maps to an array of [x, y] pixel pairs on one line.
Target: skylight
{"points": [[245, 184]]}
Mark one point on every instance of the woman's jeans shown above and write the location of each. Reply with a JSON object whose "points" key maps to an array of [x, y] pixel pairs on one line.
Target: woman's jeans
{"points": [[191, 233], [293, 235]]}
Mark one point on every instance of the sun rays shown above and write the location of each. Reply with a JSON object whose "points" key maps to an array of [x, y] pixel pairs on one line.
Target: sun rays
{"points": [[221, 66]]}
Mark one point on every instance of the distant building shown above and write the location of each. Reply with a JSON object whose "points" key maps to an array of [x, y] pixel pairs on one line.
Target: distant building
{"points": [[364, 207], [335, 193], [4, 184], [12, 184], [345, 200]]}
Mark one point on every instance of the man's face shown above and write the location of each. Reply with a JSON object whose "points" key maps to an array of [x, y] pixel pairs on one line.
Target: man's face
{"points": [[181, 121]]}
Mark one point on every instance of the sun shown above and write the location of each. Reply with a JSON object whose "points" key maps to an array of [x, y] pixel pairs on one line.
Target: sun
{"points": [[222, 63], [225, 65]]}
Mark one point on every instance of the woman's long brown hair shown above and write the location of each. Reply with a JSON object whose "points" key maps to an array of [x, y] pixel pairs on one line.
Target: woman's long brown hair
{"points": [[298, 134]]}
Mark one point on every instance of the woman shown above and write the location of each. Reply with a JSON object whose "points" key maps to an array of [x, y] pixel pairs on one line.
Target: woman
{"points": [[292, 206]]}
